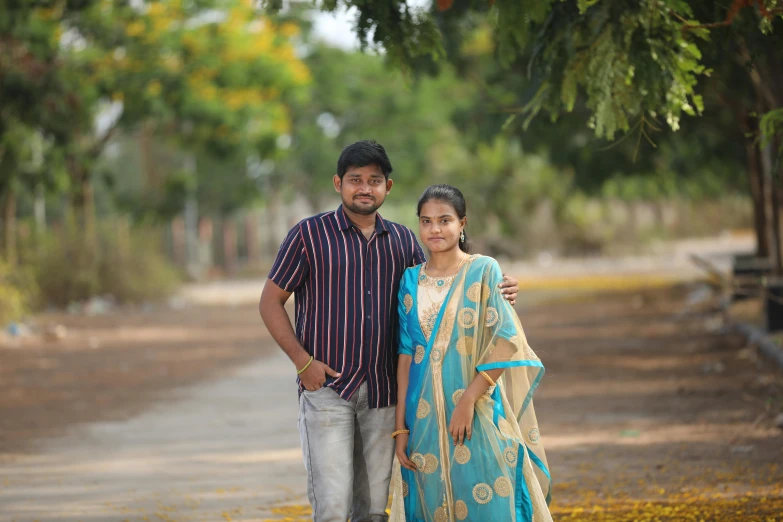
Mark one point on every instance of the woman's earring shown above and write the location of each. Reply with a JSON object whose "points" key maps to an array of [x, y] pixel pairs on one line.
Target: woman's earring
{"points": [[462, 236]]}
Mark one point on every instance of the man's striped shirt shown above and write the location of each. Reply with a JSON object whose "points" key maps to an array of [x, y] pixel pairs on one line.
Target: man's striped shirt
{"points": [[345, 289]]}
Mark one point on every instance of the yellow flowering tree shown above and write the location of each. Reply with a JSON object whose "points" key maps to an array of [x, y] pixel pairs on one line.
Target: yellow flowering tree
{"points": [[211, 76], [38, 98]]}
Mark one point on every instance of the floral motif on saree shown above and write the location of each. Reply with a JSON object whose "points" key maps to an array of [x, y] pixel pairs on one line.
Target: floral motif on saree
{"points": [[460, 328]]}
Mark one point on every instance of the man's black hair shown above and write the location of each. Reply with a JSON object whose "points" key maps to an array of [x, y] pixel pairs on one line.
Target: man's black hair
{"points": [[361, 154]]}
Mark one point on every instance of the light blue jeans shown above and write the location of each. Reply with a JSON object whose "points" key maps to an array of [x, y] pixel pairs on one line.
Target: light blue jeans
{"points": [[348, 453]]}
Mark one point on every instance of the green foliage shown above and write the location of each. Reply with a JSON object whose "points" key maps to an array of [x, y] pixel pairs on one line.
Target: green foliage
{"points": [[137, 271], [404, 32], [771, 126], [204, 100], [129, 266], [628, 60], [37, 99], [586, 226], [67, 270], [634, 62], [18, 293], [355, 97], [33, 89], [706, 150], [210, 75], [584, 5], [504, 187]]}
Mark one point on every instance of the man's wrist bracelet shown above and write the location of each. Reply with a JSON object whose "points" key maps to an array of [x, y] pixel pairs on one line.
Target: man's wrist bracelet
{"points": [[306, 366]]}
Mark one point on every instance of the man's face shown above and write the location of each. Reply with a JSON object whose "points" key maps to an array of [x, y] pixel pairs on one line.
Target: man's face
{"points": [[363, 189]]}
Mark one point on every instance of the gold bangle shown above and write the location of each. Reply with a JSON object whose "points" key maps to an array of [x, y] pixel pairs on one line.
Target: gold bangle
{"points": [[306, 366], [399, 432], [487, 377]]}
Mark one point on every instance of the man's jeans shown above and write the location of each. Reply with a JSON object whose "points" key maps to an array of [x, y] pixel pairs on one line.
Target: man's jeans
{"points": [[348, 453]]}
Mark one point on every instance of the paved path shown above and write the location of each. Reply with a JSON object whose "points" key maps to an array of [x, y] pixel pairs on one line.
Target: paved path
{"points": [[223, 450]]}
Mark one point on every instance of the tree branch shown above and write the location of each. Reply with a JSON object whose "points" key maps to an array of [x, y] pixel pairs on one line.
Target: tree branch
{"points": [[763, 90], [98, 147]]}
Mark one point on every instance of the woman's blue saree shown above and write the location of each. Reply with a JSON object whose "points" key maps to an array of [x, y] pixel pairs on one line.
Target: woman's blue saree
{"points": [[501, 474]]}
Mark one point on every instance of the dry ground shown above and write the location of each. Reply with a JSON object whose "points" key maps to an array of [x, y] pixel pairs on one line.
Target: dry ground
{"points": [[648, 411]]}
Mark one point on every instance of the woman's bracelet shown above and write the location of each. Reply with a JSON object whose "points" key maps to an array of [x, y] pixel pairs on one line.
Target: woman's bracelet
{"points": [[399, 432], [487, 377], [306, 366]]}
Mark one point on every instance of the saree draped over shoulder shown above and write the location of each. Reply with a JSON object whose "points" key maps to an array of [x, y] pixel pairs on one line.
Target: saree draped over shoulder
{"points": [[501, 474]]}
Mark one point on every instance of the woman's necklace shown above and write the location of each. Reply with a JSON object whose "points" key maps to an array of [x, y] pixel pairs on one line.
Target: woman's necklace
{"points": [[440, 282]]}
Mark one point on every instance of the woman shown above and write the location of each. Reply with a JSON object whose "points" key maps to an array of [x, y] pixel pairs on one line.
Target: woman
{"points": [[466, 434]]}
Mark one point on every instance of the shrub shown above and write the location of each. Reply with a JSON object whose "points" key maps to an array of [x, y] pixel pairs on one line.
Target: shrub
{"points": [[18, 293], [127, 264]]}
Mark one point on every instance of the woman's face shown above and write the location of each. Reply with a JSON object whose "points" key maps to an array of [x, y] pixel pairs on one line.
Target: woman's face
{"points": [[439, 226]]}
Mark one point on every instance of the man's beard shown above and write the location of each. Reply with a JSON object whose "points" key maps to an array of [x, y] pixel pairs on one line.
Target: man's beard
{"points": [[362, 211]]}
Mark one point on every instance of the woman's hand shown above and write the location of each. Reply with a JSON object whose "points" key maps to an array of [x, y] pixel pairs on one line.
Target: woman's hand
{"points": [[509, 287], [461, 425], [401, 449]]}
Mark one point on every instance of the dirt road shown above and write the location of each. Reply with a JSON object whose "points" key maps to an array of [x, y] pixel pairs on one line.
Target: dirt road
{"points": [[648, 411]]}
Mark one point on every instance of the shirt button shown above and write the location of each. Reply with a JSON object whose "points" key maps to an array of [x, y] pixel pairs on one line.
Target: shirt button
{"points": [[368, 292], [368, 317]]}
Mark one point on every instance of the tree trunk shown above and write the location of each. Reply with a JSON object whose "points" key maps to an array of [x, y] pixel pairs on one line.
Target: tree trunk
{"points": [[757, 194], [771, 205], [778, 255], [152, 182], [83, 206], [178, 241], [88, 211], [83, 211], [761, 78], [272, 211], [777, 183], [39, 211], [229, 245], [190, 213], [9, 226], [251, 238]]}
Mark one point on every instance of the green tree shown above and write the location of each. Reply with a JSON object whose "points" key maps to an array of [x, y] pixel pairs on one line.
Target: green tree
{"points": [[353, 97], [36, 100], [713, 151], [215, 82], [633, 66], [209, 76]]}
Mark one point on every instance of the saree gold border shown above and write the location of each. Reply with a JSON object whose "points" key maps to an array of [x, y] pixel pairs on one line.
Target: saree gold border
{"points": [[444, 440], [438, 397]]}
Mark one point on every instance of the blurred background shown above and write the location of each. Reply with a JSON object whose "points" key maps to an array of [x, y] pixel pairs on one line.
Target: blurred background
{"points": [[622, 161]]}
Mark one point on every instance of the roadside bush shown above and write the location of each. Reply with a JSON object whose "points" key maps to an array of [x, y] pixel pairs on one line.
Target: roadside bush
{"points": [[18, 293], [134, 269], [126, 264]]}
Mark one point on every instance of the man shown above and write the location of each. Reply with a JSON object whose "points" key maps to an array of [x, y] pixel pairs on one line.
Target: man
{"points": [[345, 267]]}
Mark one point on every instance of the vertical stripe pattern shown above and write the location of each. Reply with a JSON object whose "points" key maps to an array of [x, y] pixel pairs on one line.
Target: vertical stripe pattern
{"points": [[345, 288]]}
